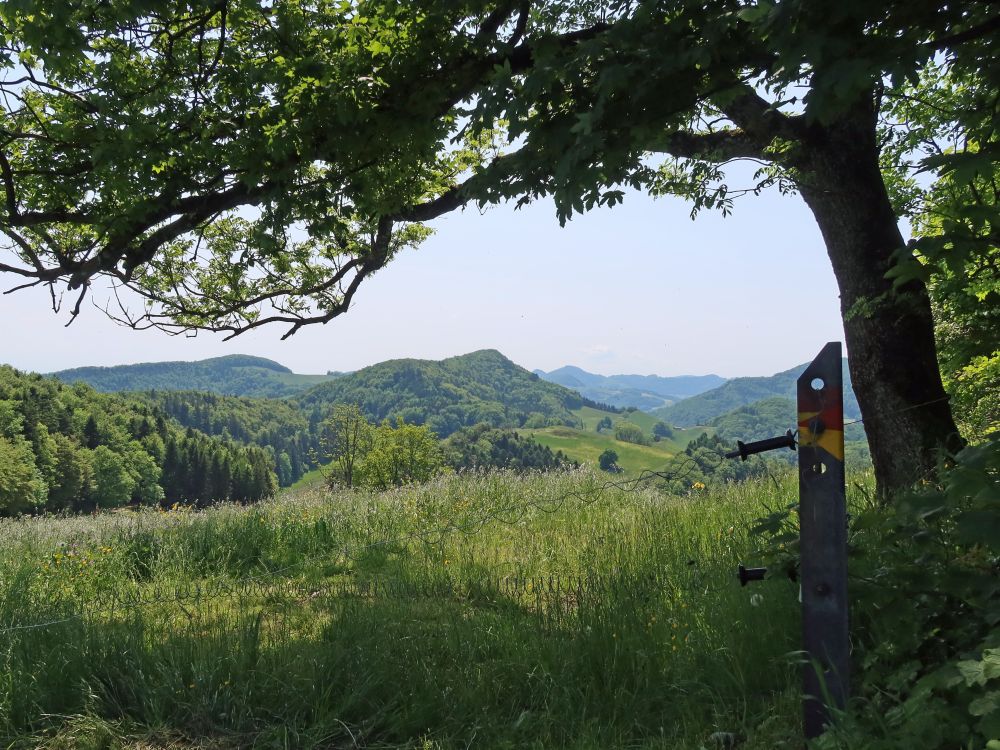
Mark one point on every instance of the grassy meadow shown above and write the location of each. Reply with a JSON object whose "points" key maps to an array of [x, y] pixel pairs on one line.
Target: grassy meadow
{"points": [[586, 445], [555, 610]]}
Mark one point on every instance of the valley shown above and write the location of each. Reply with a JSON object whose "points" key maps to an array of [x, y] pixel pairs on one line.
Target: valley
{"points": [[131, 435]]}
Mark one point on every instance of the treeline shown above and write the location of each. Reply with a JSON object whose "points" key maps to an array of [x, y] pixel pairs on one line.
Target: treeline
{"points": [[69, 448], [289, 433], [481, 388], [484, 447], [483, 391], [704, 461]]}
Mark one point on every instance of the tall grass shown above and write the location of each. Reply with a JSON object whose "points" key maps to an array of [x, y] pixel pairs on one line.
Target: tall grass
{"points": [[474, 611]]}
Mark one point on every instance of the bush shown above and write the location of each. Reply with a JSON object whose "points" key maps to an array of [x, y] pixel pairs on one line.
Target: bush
{"points": [[608, 461], [399, 455], [661, 430], [630, 433], [925, 609]]}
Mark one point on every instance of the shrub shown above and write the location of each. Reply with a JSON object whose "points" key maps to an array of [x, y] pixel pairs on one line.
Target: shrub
{"points": [[630, 433], [608, 461], [925, 608]]}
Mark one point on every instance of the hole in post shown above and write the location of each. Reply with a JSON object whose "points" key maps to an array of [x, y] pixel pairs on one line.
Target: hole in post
{"points": [[817, 384]]}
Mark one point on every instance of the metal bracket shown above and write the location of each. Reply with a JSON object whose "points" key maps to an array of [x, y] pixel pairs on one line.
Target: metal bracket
{"points": [[746, 575], [743, 450]]}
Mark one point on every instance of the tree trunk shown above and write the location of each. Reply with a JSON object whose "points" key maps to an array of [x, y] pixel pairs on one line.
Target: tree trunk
{"points": [[889, 332]]}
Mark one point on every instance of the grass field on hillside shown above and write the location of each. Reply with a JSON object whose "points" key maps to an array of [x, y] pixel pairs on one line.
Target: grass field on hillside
{"points": [[311, 479], [590, 417], [542, 611], [587, 445]]}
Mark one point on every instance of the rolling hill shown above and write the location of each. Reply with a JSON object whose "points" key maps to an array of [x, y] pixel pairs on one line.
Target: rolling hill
{"points": [[703, 408], [483, 386], [645, 392], [233, 375]]}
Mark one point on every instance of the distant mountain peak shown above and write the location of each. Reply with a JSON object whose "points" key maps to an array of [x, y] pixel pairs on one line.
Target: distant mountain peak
{"points": [[645, 392]]}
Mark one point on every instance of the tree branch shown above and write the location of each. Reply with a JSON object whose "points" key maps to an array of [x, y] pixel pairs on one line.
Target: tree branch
{"points": [[969, 35], [757, 117], [716, 146], [492, 23], [8, 185], [363, 266]]}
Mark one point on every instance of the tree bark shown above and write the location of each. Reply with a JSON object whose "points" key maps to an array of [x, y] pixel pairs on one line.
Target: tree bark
{"points": [[889, 331]]}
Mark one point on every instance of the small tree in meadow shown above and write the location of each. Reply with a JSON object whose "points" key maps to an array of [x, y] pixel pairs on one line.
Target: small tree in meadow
{"points": [[662, 431], [608, 461], [348, 440], [628, 432], [400, 455]]}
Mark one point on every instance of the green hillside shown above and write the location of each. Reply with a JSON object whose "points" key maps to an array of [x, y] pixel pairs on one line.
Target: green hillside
{"points": [[70, 448], [586, 445], [234, 375], [483, 386], [761, 419], [703, 408]]}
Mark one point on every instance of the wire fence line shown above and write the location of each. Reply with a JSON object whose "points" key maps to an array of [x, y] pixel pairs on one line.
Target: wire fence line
{"points": [[546, 591], [541, 594], [511, 513]]}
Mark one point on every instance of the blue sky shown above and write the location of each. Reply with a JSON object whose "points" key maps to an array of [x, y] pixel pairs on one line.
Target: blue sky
{"points": [[639, 288]]}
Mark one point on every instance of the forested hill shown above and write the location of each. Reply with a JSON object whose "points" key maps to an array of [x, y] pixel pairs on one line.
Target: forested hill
{"points": [[644, 392], [71, 448], [483, 386], [233, 375], [289, 433], [703, 408]]}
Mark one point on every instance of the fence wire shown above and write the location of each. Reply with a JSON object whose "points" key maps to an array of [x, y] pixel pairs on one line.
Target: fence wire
{"points": [[541, 594]]}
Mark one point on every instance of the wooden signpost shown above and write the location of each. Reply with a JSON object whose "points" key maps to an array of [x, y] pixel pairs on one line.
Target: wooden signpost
{"points": [[823, 538], [822, 535]]}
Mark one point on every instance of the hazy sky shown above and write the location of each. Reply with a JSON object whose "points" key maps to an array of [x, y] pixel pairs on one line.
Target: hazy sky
{"points": [[639, 289]]}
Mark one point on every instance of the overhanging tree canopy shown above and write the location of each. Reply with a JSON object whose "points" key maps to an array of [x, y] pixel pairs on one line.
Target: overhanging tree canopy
{"points": [[237, 163]]}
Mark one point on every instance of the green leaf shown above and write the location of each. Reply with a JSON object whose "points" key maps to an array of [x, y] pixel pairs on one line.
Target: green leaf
{"points": [[989, 725], [755, 13], [986, 704], [972, 672], [991, 663]]}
